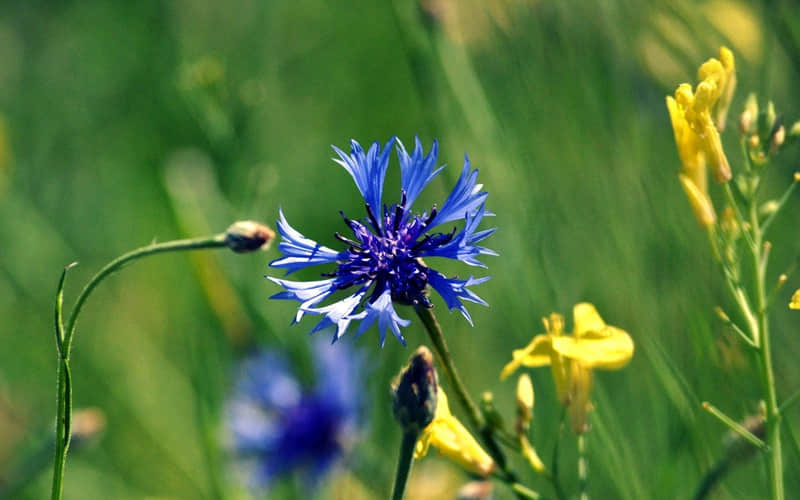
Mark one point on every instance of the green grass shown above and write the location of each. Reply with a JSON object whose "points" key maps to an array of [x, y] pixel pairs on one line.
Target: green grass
{"points": [[561, 112]]}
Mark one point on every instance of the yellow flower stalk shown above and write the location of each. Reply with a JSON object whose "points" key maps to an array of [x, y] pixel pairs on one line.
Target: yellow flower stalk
{"points": [[594, 345], [453, 441], [697, 117], [795, 303]]}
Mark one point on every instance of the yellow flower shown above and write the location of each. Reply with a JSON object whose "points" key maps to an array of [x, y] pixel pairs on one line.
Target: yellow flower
{"points": [[697, 117], [594, 345], [795, 303], [453, 441]]}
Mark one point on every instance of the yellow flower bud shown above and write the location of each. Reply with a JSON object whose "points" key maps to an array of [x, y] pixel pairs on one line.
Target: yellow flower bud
{"points": [[715, 155], [529, 452], [699, 201], [525, 400]]}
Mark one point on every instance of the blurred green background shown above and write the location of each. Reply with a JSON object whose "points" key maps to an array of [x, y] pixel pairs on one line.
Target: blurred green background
{"points": [[127, 122]]}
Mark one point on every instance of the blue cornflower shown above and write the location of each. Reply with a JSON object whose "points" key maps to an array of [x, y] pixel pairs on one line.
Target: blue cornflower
{"points": [[383, 264], [279, 427]]}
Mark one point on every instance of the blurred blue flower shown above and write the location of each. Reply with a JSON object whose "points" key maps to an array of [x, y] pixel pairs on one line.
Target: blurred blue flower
{"points": [[279, 428], [383, 261]]}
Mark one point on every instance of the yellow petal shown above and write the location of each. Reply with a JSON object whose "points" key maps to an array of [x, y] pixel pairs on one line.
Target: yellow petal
{"points": [[537, 353], [609, 349], [795, 303], [453, 441], [586, 319], [529, 452]]}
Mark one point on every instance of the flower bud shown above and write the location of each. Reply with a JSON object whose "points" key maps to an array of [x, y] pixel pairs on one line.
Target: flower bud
{"points": [[794, 131], [749, 114], [769, 118], [525, 398], [700, 203], [490, 413], [715, 156], [778, 137], [248, 236], [415, 392], [768, 208]]}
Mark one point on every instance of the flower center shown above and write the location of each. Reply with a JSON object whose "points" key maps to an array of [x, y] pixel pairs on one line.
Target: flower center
{"points": [[389, 254]]}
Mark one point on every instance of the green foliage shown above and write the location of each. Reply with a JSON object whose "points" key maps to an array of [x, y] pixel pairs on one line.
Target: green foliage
{"points": [[129, 122]]}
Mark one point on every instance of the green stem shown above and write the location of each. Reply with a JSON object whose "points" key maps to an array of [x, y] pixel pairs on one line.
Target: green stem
{"points": [[443, 354], [404, 463], [476, 420], [773, 454], [554, 467], [582, 468], [64, 338], [524, 492]]}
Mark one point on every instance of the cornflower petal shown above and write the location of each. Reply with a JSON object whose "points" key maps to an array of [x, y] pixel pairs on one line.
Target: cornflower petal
{"points": [[462, 247], [452, 290], [383, 311], [300, 252], [465, 198], [339, 314], [416, 170], [368, 170], [308, 293]]}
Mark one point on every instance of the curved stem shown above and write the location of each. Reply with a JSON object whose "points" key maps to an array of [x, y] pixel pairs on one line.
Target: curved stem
{"points": [[64, 338], [404, 463]]}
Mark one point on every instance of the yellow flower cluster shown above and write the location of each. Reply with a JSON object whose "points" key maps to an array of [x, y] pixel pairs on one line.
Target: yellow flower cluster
{"points": [[594, 345], [453, 441], [697, 118]]}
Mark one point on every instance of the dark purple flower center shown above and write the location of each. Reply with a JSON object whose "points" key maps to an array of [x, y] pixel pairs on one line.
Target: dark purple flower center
{"points": [[389, 254]]}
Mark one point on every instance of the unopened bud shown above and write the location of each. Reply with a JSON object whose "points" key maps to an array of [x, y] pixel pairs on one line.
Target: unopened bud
{"points": [[745, 121], [768, 208], [715, 155], [415, 391], [794, 130], [769, 117], [778, 137], [248, 236], [753, 141], [782, 279], [721, 314], [751, 110], [493, 418], [699, 201], [796, 177], [525, 398]]}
